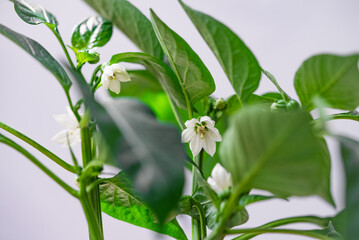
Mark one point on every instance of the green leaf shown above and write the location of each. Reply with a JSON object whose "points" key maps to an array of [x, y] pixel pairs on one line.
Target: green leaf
{"points": [[332, 78], [150, 153], [119, 200], [131, 22], [34, 14], [237, 61], [39, 53], [278, 152], [346, 223], [93, 32], [195, 79], [249, 199], [160, 70], [84, 56]]}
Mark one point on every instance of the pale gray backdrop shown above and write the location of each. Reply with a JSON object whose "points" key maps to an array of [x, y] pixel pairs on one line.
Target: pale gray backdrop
{"points": [[281, 34]]}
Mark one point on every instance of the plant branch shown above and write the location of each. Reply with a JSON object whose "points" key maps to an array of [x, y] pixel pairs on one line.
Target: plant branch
{"points": [[274, 81], [40, 148], [21, 150]]}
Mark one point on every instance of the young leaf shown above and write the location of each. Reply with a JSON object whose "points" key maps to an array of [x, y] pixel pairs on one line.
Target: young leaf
{"points": [[237, 61], [195, 79], [346, 223], [92, 32], [85, 55], [131, 22], [34, 14], [40, 54], [333, 78], [160, 70], [278, 152], [119, 200]]}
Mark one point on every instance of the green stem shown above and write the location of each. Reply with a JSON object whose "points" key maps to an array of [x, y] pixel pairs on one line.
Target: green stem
{"points": [[94, 195], [176, 113], [322, 222], [95, 227], [308, 233], [274, 81], [47, 171], [58, 36], [98, 68], [202, 218], [348, 116], [40, 148]]}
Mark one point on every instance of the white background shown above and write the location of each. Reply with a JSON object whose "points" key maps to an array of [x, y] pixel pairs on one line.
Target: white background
{"points": [[281, 34]]}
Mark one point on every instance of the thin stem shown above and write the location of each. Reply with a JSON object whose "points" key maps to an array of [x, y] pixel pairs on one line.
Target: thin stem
{"points": [[274, 81], [202, 218], [196, 224], [308, 233], [322, 222], [58, 36], [176, 113], [47, 171], [98, 68], [72, 106], [96, 183], [40, 148], [348, 116]]}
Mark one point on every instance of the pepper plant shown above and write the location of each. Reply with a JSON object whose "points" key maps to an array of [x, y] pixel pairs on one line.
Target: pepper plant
{"points": [[163, 119]]}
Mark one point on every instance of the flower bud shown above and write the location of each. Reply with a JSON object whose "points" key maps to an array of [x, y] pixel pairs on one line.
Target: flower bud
{"points": [[220, 104], [220, 179], [293, 105], [280, 105]]}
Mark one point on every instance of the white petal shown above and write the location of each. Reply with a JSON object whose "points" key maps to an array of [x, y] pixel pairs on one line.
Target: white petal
{"points": [[115, 86], [209, 145], [212, 183], [66, 120], [195, 145], [222, 178], [61, 137], [191, 123], [105, 81], [74, 137], [188, 134], [214, 134], [209, 122], [108, 71]]}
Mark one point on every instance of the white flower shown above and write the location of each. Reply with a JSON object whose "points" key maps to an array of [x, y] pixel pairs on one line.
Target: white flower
{"points": [[201, 134], [72, 132], [112, 77], [220, 179]]}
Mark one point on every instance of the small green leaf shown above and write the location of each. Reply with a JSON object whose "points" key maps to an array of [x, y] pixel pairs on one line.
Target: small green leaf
{"points": [[92, 32], [346, 223], [237, 61], [39, 53], [131, 22], [34, 14], [249, 199], [195, 79], [84, 56], [160, 70], [332, 78], [119, 200], [278, 152]]}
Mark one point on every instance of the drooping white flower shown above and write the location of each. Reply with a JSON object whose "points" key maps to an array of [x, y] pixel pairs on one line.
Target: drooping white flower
{"points": [[112, 77], [201, 134], [220, 179], [71, 134]]}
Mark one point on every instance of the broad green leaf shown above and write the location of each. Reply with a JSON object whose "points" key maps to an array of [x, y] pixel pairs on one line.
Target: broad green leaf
{"points": [[150, 153], [195, 79], [131, 22], [332, 78], [119, 200], [39, 53], [34, 14], [160, 70], [278, 152], [346, 223], [93, 32], [237, 61]]}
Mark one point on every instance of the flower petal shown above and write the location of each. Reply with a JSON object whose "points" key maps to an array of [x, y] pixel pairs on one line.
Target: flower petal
{"points": [[195, 145], [212, 183], [61, 137], [209, 145], [188, 134], [191, 123], [214, 134], [209, 122], [105, 81], [115, 86]]}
